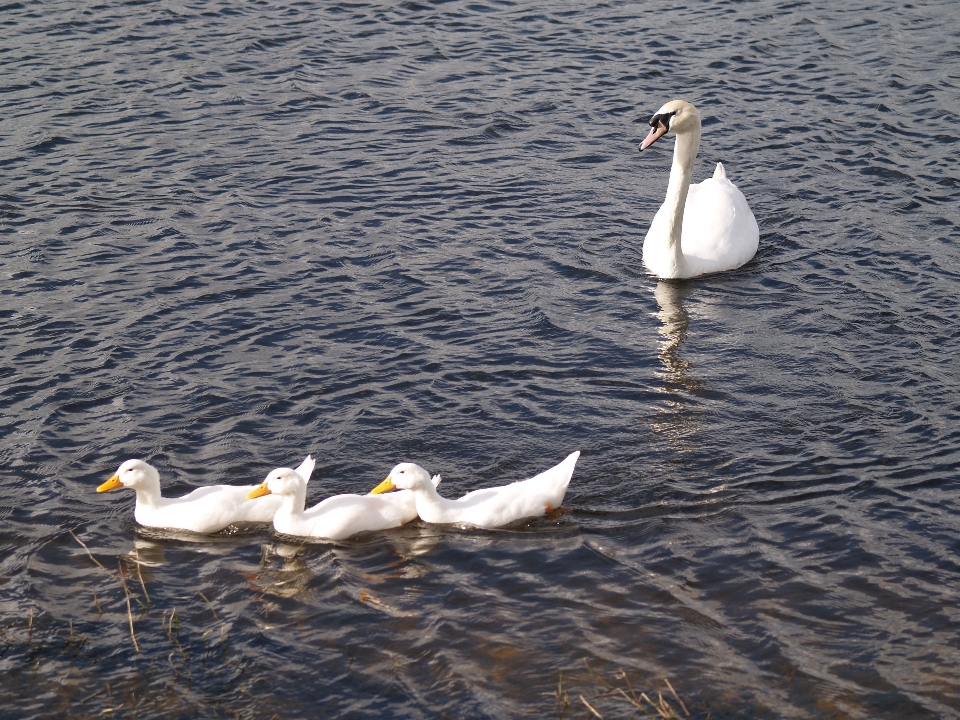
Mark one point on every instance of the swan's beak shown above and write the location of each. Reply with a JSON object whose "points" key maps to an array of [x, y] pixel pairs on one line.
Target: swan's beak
{"points": [[386, 486], [655, 134], [112, 484], [259, 491]]}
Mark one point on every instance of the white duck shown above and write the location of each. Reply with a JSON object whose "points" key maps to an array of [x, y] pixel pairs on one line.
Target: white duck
{"points": [[699, 229], [487, 508], [337, 517], [205, 510]]}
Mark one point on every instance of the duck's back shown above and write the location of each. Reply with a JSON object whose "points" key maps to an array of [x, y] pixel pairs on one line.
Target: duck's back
{"points": [[493, 507], [208, 509], [341, 516]]}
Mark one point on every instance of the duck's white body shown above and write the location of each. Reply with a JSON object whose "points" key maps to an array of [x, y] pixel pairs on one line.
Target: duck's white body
{"points": [[703, 228], [335, 518], [205, 510], [489, 507]]}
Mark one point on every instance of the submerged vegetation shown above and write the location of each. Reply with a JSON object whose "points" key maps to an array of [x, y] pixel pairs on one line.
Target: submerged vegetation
{"points": [[85, 668], [590, 694], [131, 656]]}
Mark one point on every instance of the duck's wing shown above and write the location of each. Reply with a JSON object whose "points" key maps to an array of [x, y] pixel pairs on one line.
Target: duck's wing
{"points": [[343, 516], [492, 507], [207, 509]]}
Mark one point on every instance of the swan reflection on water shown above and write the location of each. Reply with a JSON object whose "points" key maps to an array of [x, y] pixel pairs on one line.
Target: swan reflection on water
{"points": [[677, 417], [675, 321]]}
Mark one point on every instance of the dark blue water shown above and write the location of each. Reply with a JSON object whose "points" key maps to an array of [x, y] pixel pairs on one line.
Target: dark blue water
{"points": [[232, 234]]}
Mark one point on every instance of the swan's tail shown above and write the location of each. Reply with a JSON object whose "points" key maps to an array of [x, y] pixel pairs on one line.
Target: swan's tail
{"points": [[719, 173]]}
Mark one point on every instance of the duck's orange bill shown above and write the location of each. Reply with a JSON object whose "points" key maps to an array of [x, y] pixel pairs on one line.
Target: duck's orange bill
{"points": [[386, 486], [259, 491], [112, 484]]}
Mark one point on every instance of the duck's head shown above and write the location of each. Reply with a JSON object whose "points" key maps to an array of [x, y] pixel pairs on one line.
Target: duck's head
{"points": [[405, 476], [133, 474], [674, 118], [282, 481]]}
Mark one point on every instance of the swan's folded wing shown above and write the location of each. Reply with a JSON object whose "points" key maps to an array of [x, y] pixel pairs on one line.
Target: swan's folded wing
{"points": [[719, 230]]}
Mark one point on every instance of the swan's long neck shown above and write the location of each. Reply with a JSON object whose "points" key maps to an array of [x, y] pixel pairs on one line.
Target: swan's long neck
{"points": [[684, 153]]}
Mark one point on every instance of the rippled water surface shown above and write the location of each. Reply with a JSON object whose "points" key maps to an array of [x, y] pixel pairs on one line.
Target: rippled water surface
{"points": [[235, 233]]}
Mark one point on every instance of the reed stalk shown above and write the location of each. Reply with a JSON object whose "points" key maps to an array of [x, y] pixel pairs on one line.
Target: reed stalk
{"points": [[126, 591]]}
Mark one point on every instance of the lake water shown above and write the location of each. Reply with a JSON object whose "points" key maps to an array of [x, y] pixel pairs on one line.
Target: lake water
{"points": [[234, 233]]}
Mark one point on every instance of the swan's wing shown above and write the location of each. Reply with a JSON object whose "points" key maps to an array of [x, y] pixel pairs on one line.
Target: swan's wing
{"points": [[719, 229]]}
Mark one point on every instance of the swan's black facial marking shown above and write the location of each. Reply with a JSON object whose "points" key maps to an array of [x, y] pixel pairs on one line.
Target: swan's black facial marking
{"points": [[662, 119]]}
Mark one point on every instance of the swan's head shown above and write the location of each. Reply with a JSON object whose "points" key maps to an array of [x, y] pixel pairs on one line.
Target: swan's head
{"points": [[674, 118], [133, 474], [405, 476], [282, 481]]}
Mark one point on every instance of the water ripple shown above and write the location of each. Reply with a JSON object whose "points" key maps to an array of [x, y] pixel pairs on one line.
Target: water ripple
{"points": [[233, 235]]}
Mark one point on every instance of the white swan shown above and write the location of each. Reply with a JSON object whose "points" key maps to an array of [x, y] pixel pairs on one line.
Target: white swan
{"points": [[337, 517], [487, 508], [205, 510], [699, 229]]}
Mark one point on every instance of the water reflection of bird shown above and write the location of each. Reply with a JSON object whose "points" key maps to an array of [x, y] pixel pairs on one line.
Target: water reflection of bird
{"points": [[675, 320], [291, 579], [675, 420]]}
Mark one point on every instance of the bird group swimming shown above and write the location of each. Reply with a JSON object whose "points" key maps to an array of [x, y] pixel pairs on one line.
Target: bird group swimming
{"points": [[281, 499], [700, 228]]}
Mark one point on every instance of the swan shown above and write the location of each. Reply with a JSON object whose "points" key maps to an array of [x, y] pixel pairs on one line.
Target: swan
{"points": [[702, 228], [489, 507], [205, 510], [337, 517]]}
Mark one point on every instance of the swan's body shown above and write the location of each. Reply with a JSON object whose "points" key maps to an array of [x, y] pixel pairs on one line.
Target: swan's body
{"points": [[702, 228], [489, 507], [335, 518], [205, 510]]}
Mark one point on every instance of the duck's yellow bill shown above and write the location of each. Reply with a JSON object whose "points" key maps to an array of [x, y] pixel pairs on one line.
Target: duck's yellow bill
{"points": [[112, 484], [386, 486], [259, 491]]}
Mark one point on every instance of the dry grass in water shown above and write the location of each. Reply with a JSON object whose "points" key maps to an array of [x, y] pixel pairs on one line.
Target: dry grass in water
{"points": [[608, 700], [121, 579]]}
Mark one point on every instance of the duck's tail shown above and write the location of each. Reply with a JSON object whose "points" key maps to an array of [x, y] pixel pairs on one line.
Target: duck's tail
{"points": [[306, 468]]}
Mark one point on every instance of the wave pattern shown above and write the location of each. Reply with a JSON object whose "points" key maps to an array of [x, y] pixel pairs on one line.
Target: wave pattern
{"points": [[232, 234]]}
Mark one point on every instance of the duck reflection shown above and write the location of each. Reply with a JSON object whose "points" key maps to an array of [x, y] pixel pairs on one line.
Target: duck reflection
{"points": [[288, 576]]}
